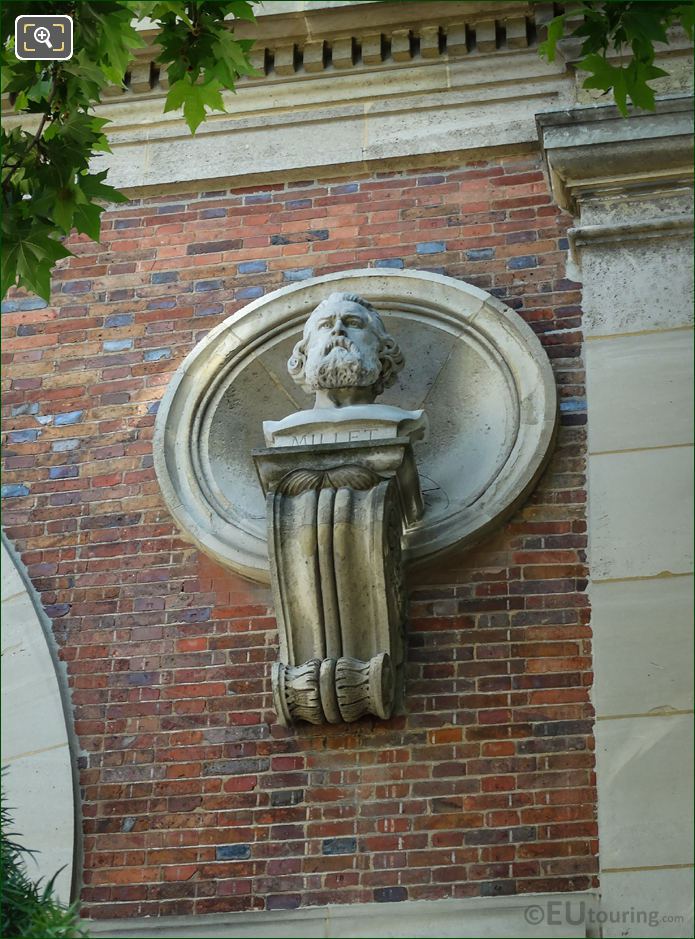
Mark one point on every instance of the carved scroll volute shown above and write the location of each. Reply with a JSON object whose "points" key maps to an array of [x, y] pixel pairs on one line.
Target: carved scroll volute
{"points": [[337, 587], [338, 498]]}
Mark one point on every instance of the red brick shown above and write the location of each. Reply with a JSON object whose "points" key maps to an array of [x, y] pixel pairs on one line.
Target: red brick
{"points": [[499, 642]]}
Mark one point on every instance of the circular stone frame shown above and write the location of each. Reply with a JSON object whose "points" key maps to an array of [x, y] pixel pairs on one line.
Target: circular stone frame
{"points": [[474, 365]]}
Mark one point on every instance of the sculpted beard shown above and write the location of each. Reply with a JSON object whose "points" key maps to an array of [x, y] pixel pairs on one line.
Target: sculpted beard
{"points": [[341, 364]]}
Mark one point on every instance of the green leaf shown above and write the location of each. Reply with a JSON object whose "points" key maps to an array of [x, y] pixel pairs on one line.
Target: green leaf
{"points": [[193, 98], [603, 73], [685, 13], [548, 47], [645, 24], [88, 220], [30, 259], [94, 187], [620, 91], [158, 11], [241, 10], [39, 91], [64, 209]]}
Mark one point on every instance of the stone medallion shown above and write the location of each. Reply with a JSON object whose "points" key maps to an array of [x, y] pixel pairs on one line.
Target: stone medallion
{"points": [[471, 362]]}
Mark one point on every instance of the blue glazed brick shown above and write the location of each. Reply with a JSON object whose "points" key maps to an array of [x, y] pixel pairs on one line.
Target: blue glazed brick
{"points": [[283, 901], [155, 355], [390, 894], [498, 888], [257, 198], [249, 293], [300, 273], [153, 408], [200, 615], [25, 303], [205, 285], [232, 852], [118, 345], [429, 247], [342, 190], [25, 329], [26, 408], [68, 443], [123, 294], [126, 223], [573, 404], [23, 436], [118, 319], [298, 204], [523, 262], [77, 286], [389, 262], [252, 267], [162, 304], [214, 213], [69, 417], [15, 489], [563, 244], [170, 209], [339, 845], [56, 610], [212, 309], [480, 254], [164, 277], [62, 472]]}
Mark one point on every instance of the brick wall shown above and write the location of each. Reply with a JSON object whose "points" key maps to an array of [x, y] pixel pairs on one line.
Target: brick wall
{"points": [[194, 801]]}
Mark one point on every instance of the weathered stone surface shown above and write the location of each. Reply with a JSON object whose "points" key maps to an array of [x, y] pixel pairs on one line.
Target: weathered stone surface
{"points": [[629, 182], [38, 783], [635, 384], [640, 513], [643, 645], [641, 811], [664, 910]]}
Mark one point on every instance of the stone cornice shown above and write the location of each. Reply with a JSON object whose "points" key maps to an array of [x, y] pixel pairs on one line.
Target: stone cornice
{"points": [[346, 89], [364, 36], [595, 152]]}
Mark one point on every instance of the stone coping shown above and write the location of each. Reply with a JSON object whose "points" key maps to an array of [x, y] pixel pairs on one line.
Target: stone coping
{"points": [[538, 915]]}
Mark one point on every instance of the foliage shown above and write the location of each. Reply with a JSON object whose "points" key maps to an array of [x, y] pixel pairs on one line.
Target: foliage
{"points": [[618, 27], [29, 909], [48, 184]]}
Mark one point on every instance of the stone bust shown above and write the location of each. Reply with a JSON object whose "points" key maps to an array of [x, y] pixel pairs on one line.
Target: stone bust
{"points": [[345, 355], [346, 358]]}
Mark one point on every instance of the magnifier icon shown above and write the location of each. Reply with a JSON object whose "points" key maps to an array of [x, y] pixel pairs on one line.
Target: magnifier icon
{"points": [[41, 34]]}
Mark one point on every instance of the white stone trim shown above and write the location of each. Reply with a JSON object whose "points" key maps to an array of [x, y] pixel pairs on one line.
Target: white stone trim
{"points": [[570, 915], [37, 734], [595, 152]]}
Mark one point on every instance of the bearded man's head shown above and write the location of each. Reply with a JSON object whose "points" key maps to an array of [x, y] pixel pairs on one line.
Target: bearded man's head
{"points": [[345, 345]]}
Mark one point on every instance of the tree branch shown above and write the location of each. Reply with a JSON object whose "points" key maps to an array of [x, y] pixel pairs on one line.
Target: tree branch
{"points": [[37, 136]]}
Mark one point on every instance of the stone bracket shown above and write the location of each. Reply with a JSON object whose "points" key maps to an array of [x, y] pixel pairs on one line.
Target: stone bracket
{"points": [[336, 516]]}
